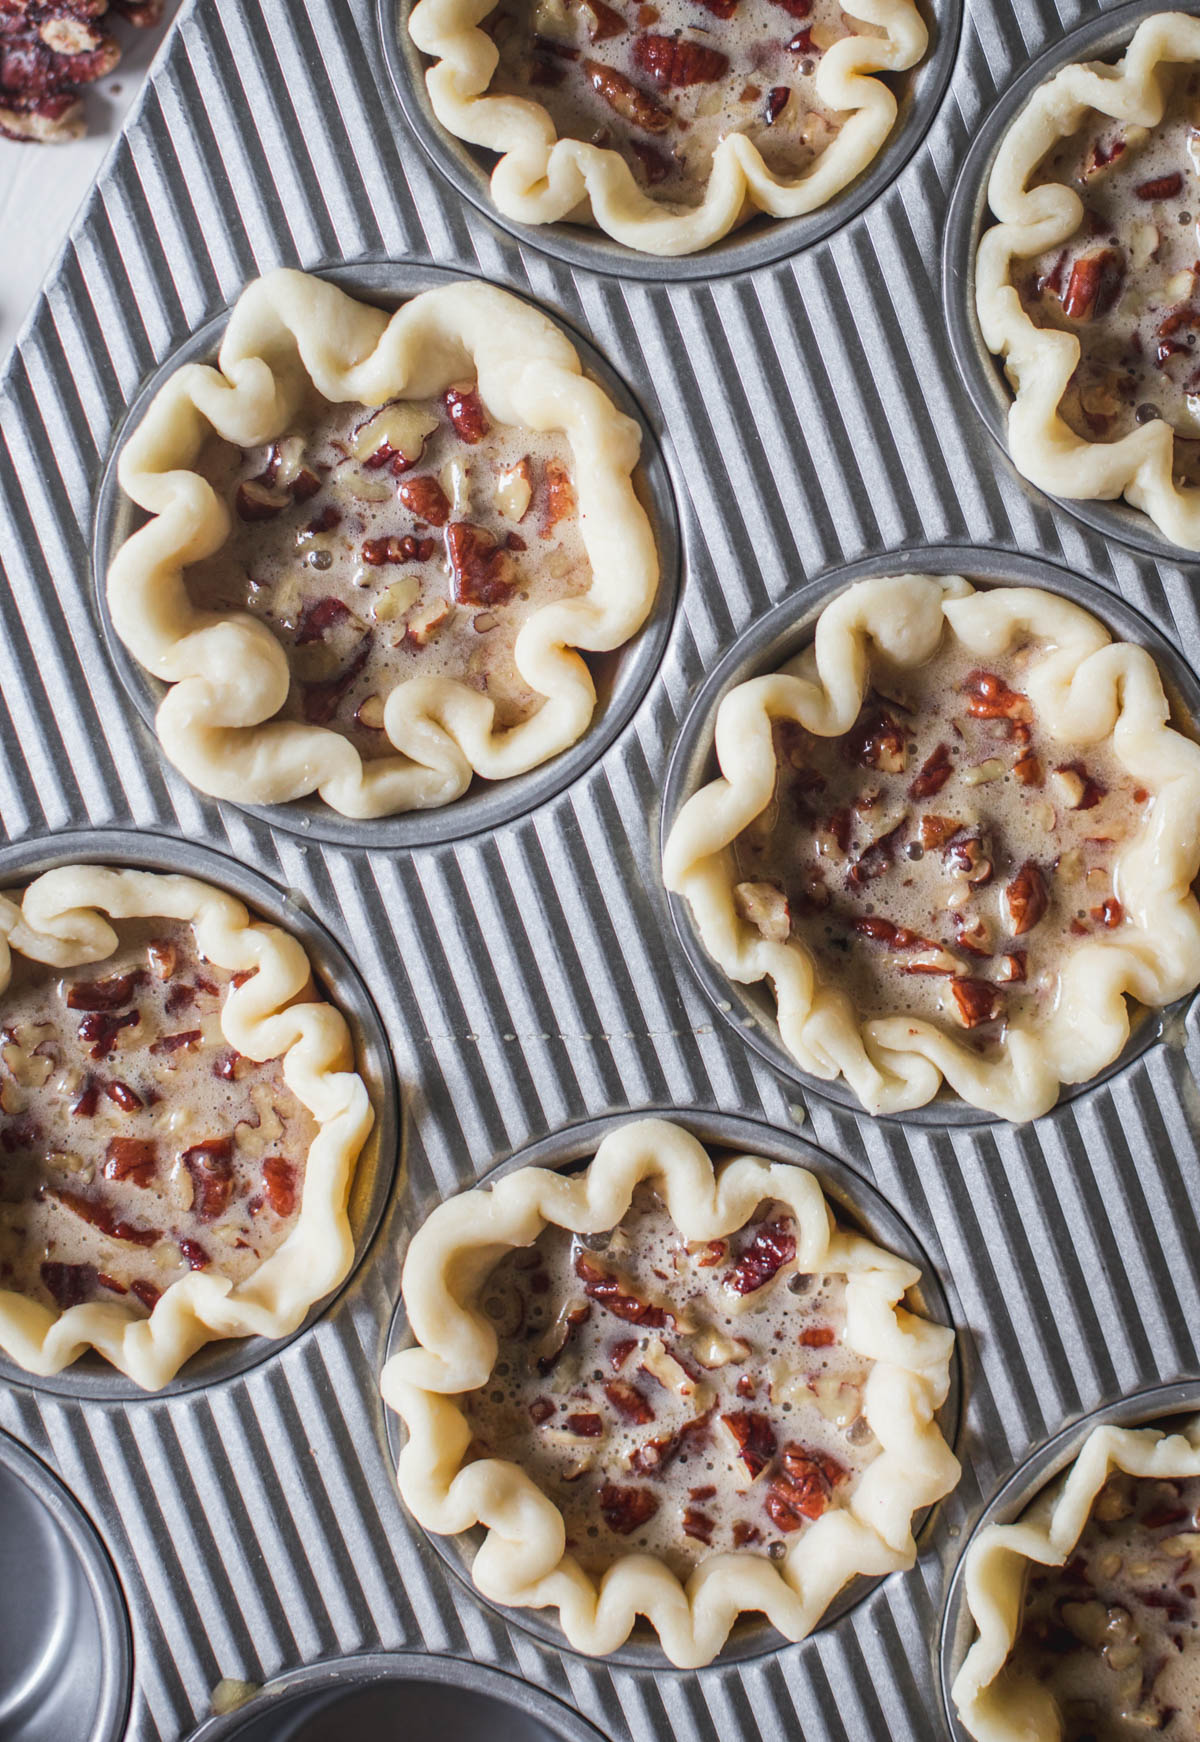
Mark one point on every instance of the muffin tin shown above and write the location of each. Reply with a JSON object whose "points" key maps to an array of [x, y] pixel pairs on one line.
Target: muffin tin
{"points": [[814, 414]]}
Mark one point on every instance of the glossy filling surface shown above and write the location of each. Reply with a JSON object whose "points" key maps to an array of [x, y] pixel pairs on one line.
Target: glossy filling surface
{"points": [[135, 1144], [1113, 1635], [674, 1399], [1127, 284], [942, 858], [414, 541], [662, 84]]}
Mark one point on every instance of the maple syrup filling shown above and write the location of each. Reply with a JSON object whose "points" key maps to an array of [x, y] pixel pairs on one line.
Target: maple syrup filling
{"points": [[663, 84], [1114, 1634], [673, 1399], [1126, 284], [135, 1144], [943, 858], [414, 541]]}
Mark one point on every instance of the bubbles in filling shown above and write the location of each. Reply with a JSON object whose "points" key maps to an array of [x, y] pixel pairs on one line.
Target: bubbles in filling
{"points": [[662, 84], [942, 858], [1113, 1634], [1126, 282], [414, 541], [135, 1144], [674, 1399]]}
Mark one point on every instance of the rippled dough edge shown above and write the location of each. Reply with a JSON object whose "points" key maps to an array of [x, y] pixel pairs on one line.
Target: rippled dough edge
{"points": [[1040, 361], [1018, 1709], [228, 673], [63, 921], [1085, 688], [522, 1562], [542, 179]]}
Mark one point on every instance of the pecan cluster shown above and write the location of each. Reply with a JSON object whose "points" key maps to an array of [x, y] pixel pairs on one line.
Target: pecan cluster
{"points": [[50, 49]]}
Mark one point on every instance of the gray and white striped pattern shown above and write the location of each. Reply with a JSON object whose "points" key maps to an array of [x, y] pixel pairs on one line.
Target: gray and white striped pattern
{"points": [[811, 416]]}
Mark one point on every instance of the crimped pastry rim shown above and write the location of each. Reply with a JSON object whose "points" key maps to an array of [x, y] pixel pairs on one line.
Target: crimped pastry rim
{"points": [[857, 1203], [150, 1362], [382, 292], [1084, 476], [759, 244], [622, 1136], [940, 564], [1114, 1438], [643, 259]]}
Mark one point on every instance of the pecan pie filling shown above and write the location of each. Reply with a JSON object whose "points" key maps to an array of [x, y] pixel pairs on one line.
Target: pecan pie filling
{"points": [[673, 1399], [663, 84], [1113, 1635], [135, 1144], [942, 858], [1127, 284], [412, 541]]}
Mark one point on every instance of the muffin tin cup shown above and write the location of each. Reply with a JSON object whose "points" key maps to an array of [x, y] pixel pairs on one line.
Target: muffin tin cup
{"points": [[622, 677], [1152, 1407], [760, 242], [382, 1697], [858, 1203], [750, 1010], [65, 1657], [91, 1377], [1103, 38]]}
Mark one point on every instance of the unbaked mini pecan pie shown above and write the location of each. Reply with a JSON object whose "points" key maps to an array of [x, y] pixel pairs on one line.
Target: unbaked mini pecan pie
{"points": [[378, 558], [673, 1377], [1087, 1608], [667, 124], [954, 833], [179, 1118], [1089, 284]]}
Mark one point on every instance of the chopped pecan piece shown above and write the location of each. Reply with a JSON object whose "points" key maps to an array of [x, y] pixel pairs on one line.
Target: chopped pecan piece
{"points": [[973, 934], [1095, 284], [540, 1411], [1160, 187], [754, 1437], [465, 410], [279, 1184], [603, 21], [560, 496], [765, 906], [674, 61], [1026, 898], [99, 1031], [194, 1255], [629, 1403], [624, 1510], [586, 1424], [68, 1284], [322, 700], [977, 1001], [210, 1164], [817, 1337], [935, 771], [745, 1533], [110, 994], [131, 1158], [1110, 913], [636, 106], [877, 858], [482, 571], [612, 1293], [424, 498], [100, 1215], [990, 698], [935, 831], [805, 1488], [1012, 967], [1074, 788], [968, 855], [773, 1246], [698, 1524], [318, 617], [878, 741], [258, 501]]}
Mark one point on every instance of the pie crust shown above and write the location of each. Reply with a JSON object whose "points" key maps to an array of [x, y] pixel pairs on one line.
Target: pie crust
{"points": [[228, 673], [63, 921], [542, 179], [522, 1560], [1084, 689], [1040, 361], [996, 1708]]}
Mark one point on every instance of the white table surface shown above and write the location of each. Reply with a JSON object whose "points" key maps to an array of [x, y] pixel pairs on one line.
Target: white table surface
{"points": [[41, 186]]}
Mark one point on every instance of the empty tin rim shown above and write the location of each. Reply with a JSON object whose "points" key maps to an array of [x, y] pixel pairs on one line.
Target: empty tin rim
{"points": [[65, 1654], [279, 1712], [1146, 1408], [760, 242], [622, 677], [858, 1202], [966, 218], [750, 1010], [91, 1377]]}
